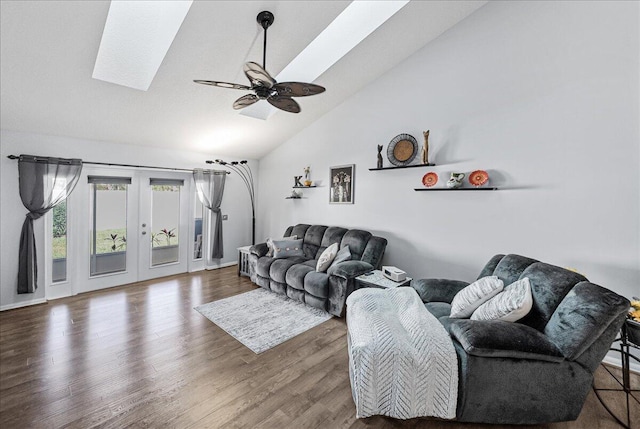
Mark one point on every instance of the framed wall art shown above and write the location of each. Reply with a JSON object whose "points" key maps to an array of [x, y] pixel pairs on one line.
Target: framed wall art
{"points": [[341, 179]]}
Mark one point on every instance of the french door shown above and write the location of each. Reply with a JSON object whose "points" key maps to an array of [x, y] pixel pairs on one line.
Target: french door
{"points": [[131, 225]]}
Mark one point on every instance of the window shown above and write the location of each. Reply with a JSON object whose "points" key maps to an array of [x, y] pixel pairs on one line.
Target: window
{"points": [[165, 222], [197, 237], [108, 220], [59, 251]]}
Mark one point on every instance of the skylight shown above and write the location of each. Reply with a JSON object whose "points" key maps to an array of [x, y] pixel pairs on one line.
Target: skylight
{"points": [[136, 38], [350, 28]]}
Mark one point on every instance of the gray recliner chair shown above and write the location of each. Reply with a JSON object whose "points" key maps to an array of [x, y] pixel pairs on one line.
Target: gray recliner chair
{"points": [[539, 369]]}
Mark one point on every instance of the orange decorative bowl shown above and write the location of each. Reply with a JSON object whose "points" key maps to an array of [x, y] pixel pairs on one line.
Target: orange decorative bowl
{"points": [[478, 177], [429, 179]]}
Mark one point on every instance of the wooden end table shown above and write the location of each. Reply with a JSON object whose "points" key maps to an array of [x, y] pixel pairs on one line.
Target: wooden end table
{"points": [[243, 261]]}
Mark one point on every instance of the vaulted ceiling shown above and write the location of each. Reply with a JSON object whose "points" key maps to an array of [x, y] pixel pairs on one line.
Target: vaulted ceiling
{"points": [[48, 51]]}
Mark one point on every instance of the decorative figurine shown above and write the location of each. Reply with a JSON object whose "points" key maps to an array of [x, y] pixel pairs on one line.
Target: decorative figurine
{"points": [[297, 183], [379, 156], [456, 180], [307, 182], [425, 148]]}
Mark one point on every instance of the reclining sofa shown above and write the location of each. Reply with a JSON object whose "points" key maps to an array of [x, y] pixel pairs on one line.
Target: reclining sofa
{"points": [[540, 368], [297, 278]]}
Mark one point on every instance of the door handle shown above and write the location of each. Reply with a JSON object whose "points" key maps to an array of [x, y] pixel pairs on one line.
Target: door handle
{"points": [[144, 232]]}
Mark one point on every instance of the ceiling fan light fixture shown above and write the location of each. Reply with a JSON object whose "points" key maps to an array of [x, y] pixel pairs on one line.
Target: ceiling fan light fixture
{"points": [[263, 85]]}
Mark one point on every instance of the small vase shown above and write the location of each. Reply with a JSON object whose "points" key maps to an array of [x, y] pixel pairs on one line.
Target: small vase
{"points": [[455, 181], [308, 183]]}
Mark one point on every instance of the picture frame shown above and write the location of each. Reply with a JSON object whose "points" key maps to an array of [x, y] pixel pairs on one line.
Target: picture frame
{"points": [[342, 184]]}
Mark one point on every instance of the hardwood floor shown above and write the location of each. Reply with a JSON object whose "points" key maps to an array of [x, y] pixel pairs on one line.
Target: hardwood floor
{"points": [[140, 356]]}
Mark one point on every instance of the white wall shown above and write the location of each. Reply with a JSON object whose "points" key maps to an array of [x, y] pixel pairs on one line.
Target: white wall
{"points": [[237, 230], [542, 95]]}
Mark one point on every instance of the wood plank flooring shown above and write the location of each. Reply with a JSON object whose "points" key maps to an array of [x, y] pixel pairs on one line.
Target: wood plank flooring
{"points": [[140, 356]]}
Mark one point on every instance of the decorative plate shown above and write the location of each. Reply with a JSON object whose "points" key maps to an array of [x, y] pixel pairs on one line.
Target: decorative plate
{"points": [[429, 179], [478, 177], [402, 149]]}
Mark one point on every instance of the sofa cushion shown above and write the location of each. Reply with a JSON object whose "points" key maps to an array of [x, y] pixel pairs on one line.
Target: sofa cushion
{"points": [[510, 305], [343, 255], [287, 248], [295, 275], [357, 240], [317, 284], [549, 285], [326, 258], [496, 338], [279, 268], [263, 266], [313, 240], [299, 230], [316, 302], [333, 234], [438, 309], [582, 317], [511, 267], [466, 301], [295, 294]]}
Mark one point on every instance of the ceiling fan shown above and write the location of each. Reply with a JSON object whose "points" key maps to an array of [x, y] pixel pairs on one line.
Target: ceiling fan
{"points": [[263, 85]]}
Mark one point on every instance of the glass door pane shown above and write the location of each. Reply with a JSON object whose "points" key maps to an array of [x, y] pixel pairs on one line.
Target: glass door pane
{"points": [[108, 227], [197, 237], [59, 251], [165, 222]]}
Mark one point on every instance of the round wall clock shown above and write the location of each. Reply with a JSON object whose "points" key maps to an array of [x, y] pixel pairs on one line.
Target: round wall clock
{"points": [[402, 149]]}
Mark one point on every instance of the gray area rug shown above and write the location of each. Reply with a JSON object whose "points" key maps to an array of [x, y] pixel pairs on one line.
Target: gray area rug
{"points": [[260, 319]]}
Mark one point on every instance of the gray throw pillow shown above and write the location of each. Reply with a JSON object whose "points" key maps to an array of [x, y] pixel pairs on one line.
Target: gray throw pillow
{"points": [[343, 255], [287, 248], [270, 243]]}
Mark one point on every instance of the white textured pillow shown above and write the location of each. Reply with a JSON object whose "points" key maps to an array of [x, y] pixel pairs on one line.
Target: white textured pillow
{"points": [[511, 305], [473, 296], [327, 257]]}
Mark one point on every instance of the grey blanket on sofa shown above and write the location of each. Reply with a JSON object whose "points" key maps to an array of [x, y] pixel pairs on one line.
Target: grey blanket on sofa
{"points": [[402, 362]]}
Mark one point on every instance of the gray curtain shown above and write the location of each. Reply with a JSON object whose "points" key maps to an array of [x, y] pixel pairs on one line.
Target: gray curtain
{"points": [[44, 182], [210, 188]]}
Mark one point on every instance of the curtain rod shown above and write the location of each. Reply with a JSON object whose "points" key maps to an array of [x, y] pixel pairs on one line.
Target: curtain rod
{"points": [[129, 165]]}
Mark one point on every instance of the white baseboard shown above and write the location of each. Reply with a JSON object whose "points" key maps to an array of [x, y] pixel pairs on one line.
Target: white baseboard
{"points": [[22, 304], [226, 264]]}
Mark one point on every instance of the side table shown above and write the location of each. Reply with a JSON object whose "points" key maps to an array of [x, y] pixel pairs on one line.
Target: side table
{"points": [[243, 261], [376, 279], [625, 355]]}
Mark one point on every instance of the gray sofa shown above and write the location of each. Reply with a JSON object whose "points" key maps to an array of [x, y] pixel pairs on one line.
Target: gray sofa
{"points": [[296, 277], [539, 369]]}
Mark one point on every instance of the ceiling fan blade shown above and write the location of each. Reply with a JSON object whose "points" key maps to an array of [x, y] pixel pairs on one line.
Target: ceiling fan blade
{"points": [[244, 101], [287, 104], [257, 75], [223, 84], [297, 89]]}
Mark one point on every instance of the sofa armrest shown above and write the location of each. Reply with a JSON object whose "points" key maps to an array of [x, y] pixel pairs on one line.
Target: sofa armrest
{"points": [[438, 290], [259, 249], [496, 338], [349, 269]]}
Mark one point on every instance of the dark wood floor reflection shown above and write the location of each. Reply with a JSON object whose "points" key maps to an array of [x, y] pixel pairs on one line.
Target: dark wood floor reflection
{"points": [[140, 356]]}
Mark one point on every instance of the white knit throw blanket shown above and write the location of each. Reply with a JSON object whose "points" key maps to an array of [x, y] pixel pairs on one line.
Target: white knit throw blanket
{"points": [[402, 363]]}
